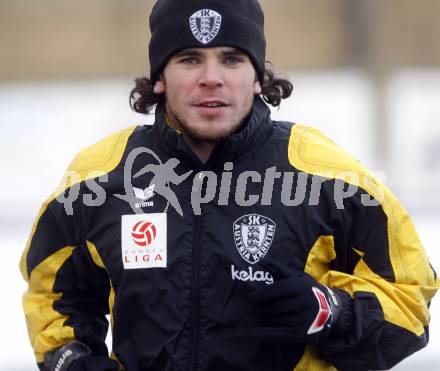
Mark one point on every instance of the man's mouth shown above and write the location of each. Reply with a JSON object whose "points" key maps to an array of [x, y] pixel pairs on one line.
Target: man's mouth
{"points": [[212, 104]]}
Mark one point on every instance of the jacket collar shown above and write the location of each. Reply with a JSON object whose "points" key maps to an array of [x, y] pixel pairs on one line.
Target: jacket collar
{"points": [[249, 137]]}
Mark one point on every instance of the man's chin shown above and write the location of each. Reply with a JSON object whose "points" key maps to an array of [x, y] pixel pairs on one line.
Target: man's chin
{"points": [[207, 138], [213, 136]]}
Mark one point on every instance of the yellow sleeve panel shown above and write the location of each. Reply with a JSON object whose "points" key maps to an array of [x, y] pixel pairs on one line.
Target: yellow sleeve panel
{"points": [[320, 256], [111, 300], [94, 161], [404, 302], [98, 261], [310, 361], [45, 325]]}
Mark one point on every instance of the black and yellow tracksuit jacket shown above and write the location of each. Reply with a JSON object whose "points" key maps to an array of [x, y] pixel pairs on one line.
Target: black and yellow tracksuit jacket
{"points": [[179, 304]]}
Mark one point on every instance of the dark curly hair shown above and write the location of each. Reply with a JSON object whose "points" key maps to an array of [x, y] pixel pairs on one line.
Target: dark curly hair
{"points": [[143, 98]]}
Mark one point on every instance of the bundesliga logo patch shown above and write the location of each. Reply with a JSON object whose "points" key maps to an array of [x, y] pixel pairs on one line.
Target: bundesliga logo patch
{"points": [[253, 235], [205, 25], [144, 241]]}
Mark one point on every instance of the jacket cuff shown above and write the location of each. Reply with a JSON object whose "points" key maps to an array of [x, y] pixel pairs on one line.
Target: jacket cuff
{"points": [[63, 357], [345, 321]]}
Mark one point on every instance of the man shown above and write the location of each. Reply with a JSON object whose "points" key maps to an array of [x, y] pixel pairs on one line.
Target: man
{"points": [[267, 247]]}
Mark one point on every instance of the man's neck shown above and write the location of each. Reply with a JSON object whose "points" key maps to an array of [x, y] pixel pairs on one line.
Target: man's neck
{"points": [[202, 149]]}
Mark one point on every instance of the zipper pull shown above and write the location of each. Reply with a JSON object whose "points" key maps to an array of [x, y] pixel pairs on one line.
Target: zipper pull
{"points": [[198, 181]]}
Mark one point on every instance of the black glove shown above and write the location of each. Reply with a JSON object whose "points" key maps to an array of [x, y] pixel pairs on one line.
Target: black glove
{"points": [[296, 309], [76, 356]]}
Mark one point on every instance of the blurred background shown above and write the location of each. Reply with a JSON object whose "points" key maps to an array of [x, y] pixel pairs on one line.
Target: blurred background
{"points": [[365, 72]]}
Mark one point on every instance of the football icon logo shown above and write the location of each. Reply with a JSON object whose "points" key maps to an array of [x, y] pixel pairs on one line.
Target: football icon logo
{"points": [[143, 233]]}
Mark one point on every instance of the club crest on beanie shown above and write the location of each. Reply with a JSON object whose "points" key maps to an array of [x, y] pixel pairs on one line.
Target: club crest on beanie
{"points": [[180, 24], [205, 25]]}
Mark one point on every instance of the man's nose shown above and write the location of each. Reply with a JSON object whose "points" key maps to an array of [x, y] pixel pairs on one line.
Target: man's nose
{"points": [[211, 75]]}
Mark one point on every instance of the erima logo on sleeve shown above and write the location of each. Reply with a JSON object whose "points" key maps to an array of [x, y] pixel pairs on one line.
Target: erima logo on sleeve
{"points": [[205, 25], [144, 241]]}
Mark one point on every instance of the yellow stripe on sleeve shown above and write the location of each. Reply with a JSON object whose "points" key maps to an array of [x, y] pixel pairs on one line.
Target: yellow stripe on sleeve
{"points": [[111, 300], [310, 361], [98, 261], [45, 325], [403, 302]]}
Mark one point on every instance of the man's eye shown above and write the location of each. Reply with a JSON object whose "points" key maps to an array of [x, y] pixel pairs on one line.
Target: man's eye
{"points": [[188, 60], [233, 60]]}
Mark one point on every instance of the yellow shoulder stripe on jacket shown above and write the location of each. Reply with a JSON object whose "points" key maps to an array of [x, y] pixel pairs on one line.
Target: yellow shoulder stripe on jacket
{"points": [[311, 152], [99, 159]]}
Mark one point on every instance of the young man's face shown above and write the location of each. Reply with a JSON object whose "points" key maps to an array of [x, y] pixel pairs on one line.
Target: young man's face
{"points": [[208, 91]]}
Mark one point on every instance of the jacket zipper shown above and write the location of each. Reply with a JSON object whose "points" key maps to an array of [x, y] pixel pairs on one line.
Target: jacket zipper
{"points": [[195, 293]]}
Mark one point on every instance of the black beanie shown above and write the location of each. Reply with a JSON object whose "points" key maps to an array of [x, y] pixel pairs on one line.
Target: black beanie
{"points": [[182, 24]]}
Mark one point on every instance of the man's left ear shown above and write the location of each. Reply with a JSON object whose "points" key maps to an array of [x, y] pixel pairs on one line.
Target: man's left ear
{"points": [[159, 86], [257, 87]]}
